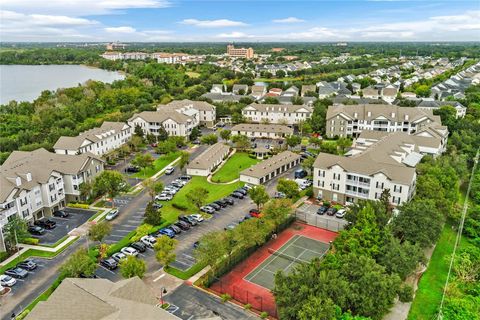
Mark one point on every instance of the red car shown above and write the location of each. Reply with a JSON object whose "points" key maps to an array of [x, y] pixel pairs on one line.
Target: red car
{"points": [[255, 213]]}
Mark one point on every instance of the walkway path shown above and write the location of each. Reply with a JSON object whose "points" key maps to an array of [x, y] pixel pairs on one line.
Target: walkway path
{"points": [[209, 177]]}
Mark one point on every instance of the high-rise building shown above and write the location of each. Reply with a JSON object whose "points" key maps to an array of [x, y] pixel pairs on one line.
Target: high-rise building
{"points": [[246, 53]]}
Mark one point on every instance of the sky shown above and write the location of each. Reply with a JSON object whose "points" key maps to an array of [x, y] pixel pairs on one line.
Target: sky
{"points": [[238, 20]]}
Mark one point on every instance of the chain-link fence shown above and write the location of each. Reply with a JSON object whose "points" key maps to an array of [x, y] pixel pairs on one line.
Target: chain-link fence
{"points": [[310, 217]]}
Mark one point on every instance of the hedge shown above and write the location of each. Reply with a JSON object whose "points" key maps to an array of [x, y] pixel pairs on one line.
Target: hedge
{"points": [[31, 241], [78, 205]]}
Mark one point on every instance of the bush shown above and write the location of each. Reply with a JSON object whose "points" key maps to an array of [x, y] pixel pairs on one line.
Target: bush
{"points": [[179, 206], [248, 306], [78, 205], [309, 192], [23, 315], [4, 256], [226, 297], [264, 315], [405, 294], [31, 241], [253, 156]]}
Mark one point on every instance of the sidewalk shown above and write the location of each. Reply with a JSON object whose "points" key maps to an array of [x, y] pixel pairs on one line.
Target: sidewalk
{"points": [[139, 186]]}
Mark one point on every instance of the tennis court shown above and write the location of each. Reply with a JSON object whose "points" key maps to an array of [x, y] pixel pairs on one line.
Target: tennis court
{"points": [[298, 249]]}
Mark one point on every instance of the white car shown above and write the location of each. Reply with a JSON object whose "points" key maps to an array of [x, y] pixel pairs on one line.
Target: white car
{"points": [[172, 191], [129, 251], [7, 281], [340, 213], [163, 197], [111, 215], [197, 217], [247, 186], [149, 241], [169, 170], [182, 182]]}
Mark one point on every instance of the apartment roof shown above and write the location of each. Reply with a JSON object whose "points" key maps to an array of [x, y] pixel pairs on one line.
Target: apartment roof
{"points": [[276, 128], [161, 116], [209, 156], [40, 164], [278, 108], [391, 112], [100, 299], [308, 88], [199, 105], [93, 135], [263, 168], [389, 92]]}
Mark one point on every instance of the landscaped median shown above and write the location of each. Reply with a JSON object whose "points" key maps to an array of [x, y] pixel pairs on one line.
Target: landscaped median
{"points": [[233, 166]]}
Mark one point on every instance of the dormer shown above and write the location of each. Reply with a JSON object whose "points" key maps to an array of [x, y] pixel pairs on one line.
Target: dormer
{"points": [[406, 117], [393, 114], [369, 114], [355, 115], [29, 176]]}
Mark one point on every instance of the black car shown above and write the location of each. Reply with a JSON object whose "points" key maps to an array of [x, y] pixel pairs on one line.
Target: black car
{"points": [[229, 201], [17, 273], [242, 191], [27, 265], [157, 205], [187, 220], [221, 203], [331, 211], [185, 178], [182, 225], [60, 213], [46, 223], [215, 206], [322, 210], [36, 230], [88, 276], [237, 195], [109, 263], [132, 169], [139, 246], [176, 229], [196, 244]]}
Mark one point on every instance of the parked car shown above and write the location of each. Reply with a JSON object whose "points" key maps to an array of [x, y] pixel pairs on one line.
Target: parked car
{"points": [[129, 251], [242, 191], [207, 209], [231, 226], [300, 173], [111, 215], [229, 201], [340, 213], [46, 224], [119, 256], [255, 213], [185, 178], [175, 229], [279, 195], [132, 169], [60, 214], [36, 230], [331, 211], [17, 273], [157, 206], [163, 197], [196, 244], [221, 203], [215, 206], [237, 195], [167, 232], [28, 265], [170, 190], [247, 187], [197, 217], [322, 210], [182, 225], [169, 170], [7, 281], [109, 263], [139, 246], [149, 241], [192, 221]]}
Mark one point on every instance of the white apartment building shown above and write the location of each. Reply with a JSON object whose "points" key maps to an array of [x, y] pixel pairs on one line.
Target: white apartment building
{"points": [[175, 123], [204, 112], [112, 55], [34, 184], [99, 141], [351, 120], [135, 56], [276, 113], [266, 131], [170, 58]]}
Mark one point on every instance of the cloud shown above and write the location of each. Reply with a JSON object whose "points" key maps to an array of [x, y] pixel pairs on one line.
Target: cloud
{"points": [[288, 20], [220, 23], [124, 29], [234, 35]]}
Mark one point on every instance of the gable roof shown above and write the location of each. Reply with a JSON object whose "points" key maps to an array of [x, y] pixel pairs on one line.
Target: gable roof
{"points": [[276, 128], [211, 155], [278, 108], [178, 104], [263, 168], [161, 116]]}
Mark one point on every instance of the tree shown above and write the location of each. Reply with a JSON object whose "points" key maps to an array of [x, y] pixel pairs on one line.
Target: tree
{"points": [[197, 197], [79, 263], [277, 211], [110, 183], [385, 200], [343, 143], [138, 131], [400, 258], [211, 248], [280, 74], [152, 215], [293, 141], [166, 146], [252, 232], [271, 100], [15, 232], [184, 159], [209, 139], [288, 187], [296, 100], [151, 138], [153, 187], [142, 230], [85, 189], [165, 250], [225, 134], [242, 142], [143, 160], [135, 142], [259, 195], [162, 134], [307, 164], [132, 267], [194, 134], [98, 231]]}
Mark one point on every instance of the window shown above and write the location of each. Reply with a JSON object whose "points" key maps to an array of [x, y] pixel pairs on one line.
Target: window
{"points": [[25, 214], [51, 187]]}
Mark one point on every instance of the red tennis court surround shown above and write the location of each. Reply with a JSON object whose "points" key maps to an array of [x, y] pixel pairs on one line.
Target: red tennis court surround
{"points": [[260, 298]]}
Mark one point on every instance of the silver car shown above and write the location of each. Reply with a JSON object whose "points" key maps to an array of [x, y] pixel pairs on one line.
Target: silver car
{"points": [[111, 215]]}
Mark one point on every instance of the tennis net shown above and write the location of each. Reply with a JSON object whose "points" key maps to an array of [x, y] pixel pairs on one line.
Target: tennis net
{"points": [[286, 256]]}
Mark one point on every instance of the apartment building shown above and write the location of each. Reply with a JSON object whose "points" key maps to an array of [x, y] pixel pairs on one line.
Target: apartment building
{"points": [[99, 141], [268, 169], [204, 112], [112, 55], [277, 113], [175, 123], [246, 53], [170, 58], [208, 160], [351, 120], [34, 184], [267, 131], [378, 161]]}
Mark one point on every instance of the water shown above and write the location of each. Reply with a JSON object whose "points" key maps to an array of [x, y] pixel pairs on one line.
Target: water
{"points": [[26, 82]]}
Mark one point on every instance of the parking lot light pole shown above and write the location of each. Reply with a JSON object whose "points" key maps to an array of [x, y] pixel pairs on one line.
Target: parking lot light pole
{"points": [[162, 292]]}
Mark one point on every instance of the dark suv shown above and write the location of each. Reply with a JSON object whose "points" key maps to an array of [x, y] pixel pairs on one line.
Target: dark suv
{"points": [[139, 246], [46, 224], [60, 213], [109, 263], [132, 169], [188, 220], [221, 203], [36, 230], [183, 225]]}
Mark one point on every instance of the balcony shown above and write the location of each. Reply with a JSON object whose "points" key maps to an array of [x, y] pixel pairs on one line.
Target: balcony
{"points": [[8, 212], [357, 194], [358, 183]]}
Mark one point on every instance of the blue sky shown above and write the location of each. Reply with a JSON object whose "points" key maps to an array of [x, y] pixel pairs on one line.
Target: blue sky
{"points": [[234, 20]]}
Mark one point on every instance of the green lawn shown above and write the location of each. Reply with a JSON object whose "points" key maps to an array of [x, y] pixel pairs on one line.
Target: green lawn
{"points": [[216, 192], [158, 165], [231, 169]]}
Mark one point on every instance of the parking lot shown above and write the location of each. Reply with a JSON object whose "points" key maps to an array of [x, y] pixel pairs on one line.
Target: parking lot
{"points": [[76, 218], [308, 214]]}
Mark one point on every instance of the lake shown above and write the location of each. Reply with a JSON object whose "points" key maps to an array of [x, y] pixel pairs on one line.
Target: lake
{"points": [[26, 82]]}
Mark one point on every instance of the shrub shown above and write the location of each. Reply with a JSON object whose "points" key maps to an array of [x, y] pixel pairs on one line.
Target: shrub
{"points": [[31, 241], [78, 205], [405, 294], [248, 306], [264, 315], [179, 206], [226, 297], [309, 192], [253, 156], [3, 256], [326, 203], [23, 315]]}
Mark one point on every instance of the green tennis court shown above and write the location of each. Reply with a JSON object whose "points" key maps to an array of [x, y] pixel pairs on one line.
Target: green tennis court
{"points": [[298, 249]]}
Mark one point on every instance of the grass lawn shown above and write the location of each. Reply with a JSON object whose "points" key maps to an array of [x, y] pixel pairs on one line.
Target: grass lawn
{"points": [[231, 169], [158, 165], [216, 192], [187, 274]]}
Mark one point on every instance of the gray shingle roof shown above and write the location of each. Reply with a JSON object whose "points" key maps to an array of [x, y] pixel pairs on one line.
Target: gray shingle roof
{"points": [[211, 155], [276, 128], [279, 107], [161, 116], [263, 168]]}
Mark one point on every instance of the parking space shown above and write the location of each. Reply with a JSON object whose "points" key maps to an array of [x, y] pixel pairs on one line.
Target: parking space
{"points": [[308, 214], [76, 218]]}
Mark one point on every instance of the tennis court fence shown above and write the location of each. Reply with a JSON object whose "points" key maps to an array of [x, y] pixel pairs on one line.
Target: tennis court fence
{"points": [[245, 296], [320, 221]]}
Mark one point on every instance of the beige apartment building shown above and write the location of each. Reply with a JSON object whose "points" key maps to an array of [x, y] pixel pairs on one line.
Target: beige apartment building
{"points": [[268, 169], [246, 53], [208, 160], [266, 131]]}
